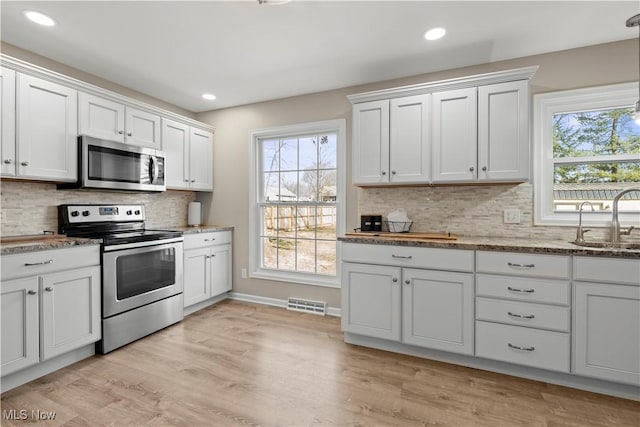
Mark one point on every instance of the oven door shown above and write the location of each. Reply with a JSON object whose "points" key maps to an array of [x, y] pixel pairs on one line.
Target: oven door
{"points": [[138, 274]]}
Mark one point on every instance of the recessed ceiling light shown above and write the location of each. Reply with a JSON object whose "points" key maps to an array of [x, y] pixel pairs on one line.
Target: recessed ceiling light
{"points": [[39, 18], [208, 96], [435, 34]]}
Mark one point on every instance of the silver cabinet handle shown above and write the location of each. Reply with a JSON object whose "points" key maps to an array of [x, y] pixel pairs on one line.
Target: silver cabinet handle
{"points": [[384, 173], [213, 256], [210, 240], [31, 264], [471, 169], [513, 264], [517, 347], [25, 163], [48, 289], [393, 172], [407, 282], [120, 132], [32, 292], [129, 134], [529, 291], [193, 180], [8, 161], [394, 280], [521, 316], [401, 257], [186, 180], [484, 168]]}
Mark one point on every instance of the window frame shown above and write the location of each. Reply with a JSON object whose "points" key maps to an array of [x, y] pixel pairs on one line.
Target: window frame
{"points": [[545, 106], [255, 270]]}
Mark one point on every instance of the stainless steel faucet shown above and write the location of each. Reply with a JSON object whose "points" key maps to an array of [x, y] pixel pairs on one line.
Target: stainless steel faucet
{"points": [[580, 232], [615, 223]]}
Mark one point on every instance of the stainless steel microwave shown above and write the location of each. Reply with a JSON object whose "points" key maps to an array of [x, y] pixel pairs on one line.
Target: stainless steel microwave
{"points": [[113, 165]]}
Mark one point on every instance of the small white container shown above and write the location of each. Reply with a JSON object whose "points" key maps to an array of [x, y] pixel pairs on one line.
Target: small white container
{"points": [[194, 214]]}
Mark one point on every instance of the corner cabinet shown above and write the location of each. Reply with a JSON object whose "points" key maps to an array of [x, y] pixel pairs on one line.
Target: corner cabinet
{"points": [[466, 130], [409, 295], [189, 156], [207, 266], [606, 319], [50, 304], [46, 130]]}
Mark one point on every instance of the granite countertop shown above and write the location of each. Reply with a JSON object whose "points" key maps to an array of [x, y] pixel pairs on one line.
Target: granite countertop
{"points": [[10, 245], [499, 244], [201, 229]]}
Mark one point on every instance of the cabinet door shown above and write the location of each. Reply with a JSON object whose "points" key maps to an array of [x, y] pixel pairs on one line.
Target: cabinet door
{"points": [[142, 128], [606, 330], [175, 141], [437, 309], [200, 160], [47, 130], [410, 145], [19, 316], [371, 142], [371, 300], [197, 274], [220, 269], [455, 135], [503, 131], [70, 310], [8, 122], [100, 118]]}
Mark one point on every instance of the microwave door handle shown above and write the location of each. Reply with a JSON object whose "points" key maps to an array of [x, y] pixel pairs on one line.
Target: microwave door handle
{"points": [[152, 170]]}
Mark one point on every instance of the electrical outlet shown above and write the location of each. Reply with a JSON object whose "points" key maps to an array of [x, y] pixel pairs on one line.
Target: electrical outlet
{"points": [[3, 216], [511, 216], [172, 212], [243, 273]]}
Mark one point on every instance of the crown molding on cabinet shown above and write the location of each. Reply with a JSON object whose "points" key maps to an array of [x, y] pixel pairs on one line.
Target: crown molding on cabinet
{"points": [[441, 85], [35, 70]]}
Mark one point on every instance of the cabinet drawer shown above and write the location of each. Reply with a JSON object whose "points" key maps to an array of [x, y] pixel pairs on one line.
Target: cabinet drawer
{"points": [[523, 314], [519, 264], [523, 289], [404, 256], [538, 348], [40, 262], [607, 270], [198, 240]]}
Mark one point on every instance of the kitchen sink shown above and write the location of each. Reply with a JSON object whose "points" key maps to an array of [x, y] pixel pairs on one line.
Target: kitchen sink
{"points": [[609, 245]]}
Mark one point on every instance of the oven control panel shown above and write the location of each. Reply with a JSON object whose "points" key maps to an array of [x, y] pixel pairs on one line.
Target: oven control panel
{"points": [[75, 214]]}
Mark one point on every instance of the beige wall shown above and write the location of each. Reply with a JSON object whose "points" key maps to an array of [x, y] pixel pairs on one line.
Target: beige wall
{"points": [[229, 204], [47, 63]]}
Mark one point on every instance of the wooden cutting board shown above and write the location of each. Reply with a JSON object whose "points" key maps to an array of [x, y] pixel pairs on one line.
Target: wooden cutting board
{"points": [[411, 236]]}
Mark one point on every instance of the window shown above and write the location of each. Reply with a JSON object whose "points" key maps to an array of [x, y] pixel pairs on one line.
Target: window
{"points": [[297, 205], [586, 148]]}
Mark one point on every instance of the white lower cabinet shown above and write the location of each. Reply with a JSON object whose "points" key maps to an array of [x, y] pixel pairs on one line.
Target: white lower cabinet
{"points": [[55, 311], [421, 307], [207, 266], [606, 319]]}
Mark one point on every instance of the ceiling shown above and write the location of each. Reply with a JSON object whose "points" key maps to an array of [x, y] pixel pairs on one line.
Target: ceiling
{"points": [[245, 52]]}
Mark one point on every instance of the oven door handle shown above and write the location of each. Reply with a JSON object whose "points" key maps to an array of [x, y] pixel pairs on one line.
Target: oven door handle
{"points": [[136, 245]]}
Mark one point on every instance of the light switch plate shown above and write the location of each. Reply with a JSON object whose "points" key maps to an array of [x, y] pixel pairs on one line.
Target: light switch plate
{"points": [[512, 216]]}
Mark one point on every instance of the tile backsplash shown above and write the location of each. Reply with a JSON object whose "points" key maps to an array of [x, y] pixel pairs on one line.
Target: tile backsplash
{"points": [[472, 210], [31, 207]]}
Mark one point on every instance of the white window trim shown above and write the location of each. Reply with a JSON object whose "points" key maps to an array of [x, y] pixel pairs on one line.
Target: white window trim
{"points": [[544, 107], [255, 271]]}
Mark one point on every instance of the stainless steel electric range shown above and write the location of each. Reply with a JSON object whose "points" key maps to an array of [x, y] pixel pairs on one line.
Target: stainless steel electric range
{"points": [[142, 270]]}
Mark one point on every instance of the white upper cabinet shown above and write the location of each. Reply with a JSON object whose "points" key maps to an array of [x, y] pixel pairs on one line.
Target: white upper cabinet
{"points": [[503, 131], [105, 119], [455, 135], [371, 142], [100, 118], [8, 121], [189, 158], [47, 130], [200, 160], [409, 146]]}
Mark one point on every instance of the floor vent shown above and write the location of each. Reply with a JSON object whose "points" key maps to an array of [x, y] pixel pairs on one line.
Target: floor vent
{"points": [[307, 306]]}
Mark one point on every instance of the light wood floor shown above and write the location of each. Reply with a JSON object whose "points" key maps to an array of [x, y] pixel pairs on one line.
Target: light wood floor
{"points": [[243, 364]]}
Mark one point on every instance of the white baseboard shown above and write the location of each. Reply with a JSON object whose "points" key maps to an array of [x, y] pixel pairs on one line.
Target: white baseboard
{"points": [[331, 311]]}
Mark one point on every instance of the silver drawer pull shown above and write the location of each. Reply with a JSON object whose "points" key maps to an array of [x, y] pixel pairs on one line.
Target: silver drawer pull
{"points": [[517, 347], [529, 291], [521, 316], [400, 256], [209, 240], [48, 289], [513, 264], [32, 292], [31, 264], [394, 280]]}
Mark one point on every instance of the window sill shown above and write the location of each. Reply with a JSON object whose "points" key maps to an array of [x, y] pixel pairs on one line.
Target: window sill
{"points": [[298, 278]]}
